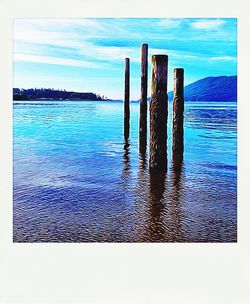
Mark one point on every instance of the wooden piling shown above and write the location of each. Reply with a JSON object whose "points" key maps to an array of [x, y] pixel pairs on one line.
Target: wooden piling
{"points": [[143, 101], [158, 114], [126, 99], [178, 109]]}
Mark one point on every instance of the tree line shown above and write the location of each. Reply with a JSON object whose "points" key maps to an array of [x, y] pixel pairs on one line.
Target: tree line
{"points": [[31, 94]]}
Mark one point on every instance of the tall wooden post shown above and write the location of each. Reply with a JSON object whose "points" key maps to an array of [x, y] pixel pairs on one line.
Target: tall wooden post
{"points": [[178, 109], [143, 101], [158, 114], [126, 100]]}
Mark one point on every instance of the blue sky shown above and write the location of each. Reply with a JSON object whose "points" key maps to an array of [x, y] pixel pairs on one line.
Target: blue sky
{"points": [[87, 55]]}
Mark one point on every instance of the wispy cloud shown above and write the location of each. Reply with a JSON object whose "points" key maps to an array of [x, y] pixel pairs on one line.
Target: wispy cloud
{"points": [[35, 38], [49, 38], [207, 24], [224, 58], [168, 23], [59, 24], [172, 53], [54, 60], [109, 53]]}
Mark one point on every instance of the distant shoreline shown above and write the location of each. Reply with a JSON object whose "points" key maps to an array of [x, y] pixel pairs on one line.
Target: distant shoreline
{"points": [[118, 100], [52, 94], [60, 99], [219, 88]]}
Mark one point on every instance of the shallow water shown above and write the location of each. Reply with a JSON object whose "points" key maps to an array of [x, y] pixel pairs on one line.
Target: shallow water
{"points": [[76, 180]]}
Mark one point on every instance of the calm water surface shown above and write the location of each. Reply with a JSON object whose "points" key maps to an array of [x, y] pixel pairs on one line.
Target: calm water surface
{"points": [[76, 180]]}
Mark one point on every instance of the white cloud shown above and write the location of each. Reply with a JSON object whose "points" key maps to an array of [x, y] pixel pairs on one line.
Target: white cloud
{"points": [[54, 60], [35, 42], [171, 53], [169, 22], [224, 58], [59, 24], [110, 53], [85, 22], [207, 24], [49, 38]]}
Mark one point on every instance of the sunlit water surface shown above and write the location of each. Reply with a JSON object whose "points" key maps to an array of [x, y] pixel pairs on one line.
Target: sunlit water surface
{"points": [[76, 180]]}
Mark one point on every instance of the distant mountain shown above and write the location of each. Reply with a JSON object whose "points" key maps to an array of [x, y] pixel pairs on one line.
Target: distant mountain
{"points": [[221, 88]]}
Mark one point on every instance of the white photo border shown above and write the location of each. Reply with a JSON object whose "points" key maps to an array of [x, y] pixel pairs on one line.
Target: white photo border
{"points": [[124, 273]]}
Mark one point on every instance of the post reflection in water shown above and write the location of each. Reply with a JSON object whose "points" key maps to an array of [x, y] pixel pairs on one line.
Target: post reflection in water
{"points": [[177, 160], [176, 194], [142, 163], [126, 160], [156, 228], [164, 201], [140, 203]]}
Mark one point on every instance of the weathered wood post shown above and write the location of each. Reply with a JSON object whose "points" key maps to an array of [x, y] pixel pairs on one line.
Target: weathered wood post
{"points": [[178, 109], [158, 114], [143, 101], [126, 100]]}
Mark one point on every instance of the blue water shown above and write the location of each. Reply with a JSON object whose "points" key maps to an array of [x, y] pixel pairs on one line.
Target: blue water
{"points": [[75, 180]]}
